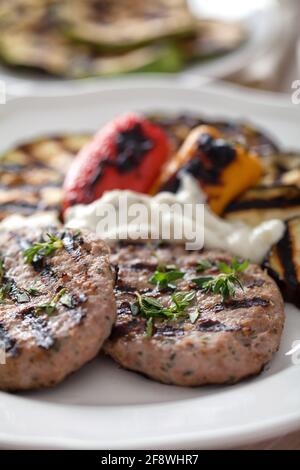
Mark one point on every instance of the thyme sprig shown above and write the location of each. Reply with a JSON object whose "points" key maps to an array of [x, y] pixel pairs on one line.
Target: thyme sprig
{"points": [[150, 308], [39, 250], [226, 282], [165, 276], [50, 307]]}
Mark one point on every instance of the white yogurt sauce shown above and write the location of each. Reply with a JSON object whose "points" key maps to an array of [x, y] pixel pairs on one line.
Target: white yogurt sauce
{"points": [[38, 220], [239, 239]]}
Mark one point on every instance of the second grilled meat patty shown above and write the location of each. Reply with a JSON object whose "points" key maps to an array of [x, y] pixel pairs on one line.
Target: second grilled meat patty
{"points": [[56, 312], [228, 341]]}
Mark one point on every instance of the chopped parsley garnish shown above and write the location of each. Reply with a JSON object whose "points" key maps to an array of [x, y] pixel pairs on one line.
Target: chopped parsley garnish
{"points": [[150, 308], [11, 291], [33, 291], [226, 282], [165, 276], [39, 250], [67, 300]]}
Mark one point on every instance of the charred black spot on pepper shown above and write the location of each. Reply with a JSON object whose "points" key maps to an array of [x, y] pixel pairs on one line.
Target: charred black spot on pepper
{"points": [[132, 145], [211, 157]]}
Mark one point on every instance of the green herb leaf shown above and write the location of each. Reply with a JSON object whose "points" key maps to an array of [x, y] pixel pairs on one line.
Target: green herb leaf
{"points": [[151, 308], [203, 265], [194, 315], [164, 277], [2, 271], [183, 299], [4, 292], [33, 291], [226, 282], [51, 306], [66, 300], [39, 250], [149, 327]]}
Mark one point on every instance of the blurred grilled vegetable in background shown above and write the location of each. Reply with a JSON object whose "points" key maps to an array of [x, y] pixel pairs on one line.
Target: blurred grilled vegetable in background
{"points": [[223, 168], [117, 25], [78, 39], [283, 262], [265, 203], [31, 175], [50, 53], [127, 153], [212, 39]]}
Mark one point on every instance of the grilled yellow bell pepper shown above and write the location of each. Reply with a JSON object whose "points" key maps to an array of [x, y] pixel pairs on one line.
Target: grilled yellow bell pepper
{"points": [[223, 168]]}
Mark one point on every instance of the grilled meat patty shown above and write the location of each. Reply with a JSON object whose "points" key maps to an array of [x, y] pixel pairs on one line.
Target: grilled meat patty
{"points": [[56, 312], [229, 340]]}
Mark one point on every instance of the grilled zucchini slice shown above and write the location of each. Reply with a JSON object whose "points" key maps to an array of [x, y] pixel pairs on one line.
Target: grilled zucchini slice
{"points": [[283, 262], [114, 25], [31, 175], [265, 203]]}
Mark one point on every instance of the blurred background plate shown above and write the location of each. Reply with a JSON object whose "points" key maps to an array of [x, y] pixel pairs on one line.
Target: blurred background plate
{"points": [[265, 22]]}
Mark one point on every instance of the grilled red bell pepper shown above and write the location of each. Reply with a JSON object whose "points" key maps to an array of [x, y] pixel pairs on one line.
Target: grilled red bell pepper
{"points": [[127, 153]]}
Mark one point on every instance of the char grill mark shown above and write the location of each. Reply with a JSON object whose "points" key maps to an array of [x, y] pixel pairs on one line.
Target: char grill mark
{"points": [[77, 314], [168, 330], [215, 326], [134, 326], [124, 308], [286, 256], [140, 266], [7, 342], [39, 328], [70, 245], [121, 286], [234, 304]]}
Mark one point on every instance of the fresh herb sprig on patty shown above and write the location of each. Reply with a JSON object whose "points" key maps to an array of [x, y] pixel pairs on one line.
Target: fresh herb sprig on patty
{"points": [[150, 308], [226, 282], [39, 250]]}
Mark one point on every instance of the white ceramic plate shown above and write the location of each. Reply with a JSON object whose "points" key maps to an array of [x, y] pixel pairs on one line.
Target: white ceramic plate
{"points": [[103, 406], [263, 19]]}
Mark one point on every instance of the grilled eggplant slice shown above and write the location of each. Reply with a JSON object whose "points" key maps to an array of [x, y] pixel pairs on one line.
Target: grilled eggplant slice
{"points": [[114, 25], [31, 175], [283, 168], [179, 126], [283, 262], [265, 203]]}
